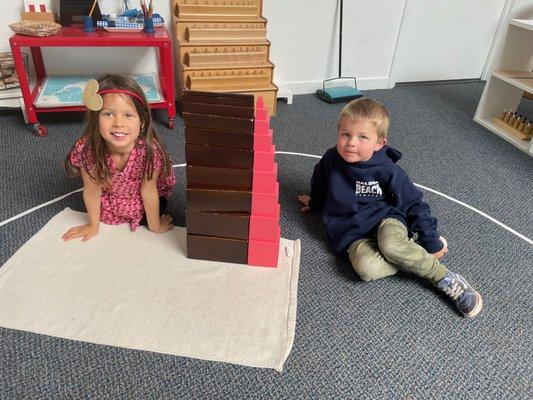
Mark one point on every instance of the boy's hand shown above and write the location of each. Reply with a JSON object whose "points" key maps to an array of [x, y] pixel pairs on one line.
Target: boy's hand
{"points": [[165, 224], [85, 232], [439, 254], [304, 200]]}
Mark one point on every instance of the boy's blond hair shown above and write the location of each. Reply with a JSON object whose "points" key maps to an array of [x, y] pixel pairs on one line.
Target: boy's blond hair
{"points": [[369, 110]]}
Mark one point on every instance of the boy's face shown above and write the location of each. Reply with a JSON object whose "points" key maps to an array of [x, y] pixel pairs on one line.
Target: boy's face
{"points": [[357, 140]]}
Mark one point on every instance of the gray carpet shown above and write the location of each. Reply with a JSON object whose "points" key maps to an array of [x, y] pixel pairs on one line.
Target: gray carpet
{"points": [[395, 338]]}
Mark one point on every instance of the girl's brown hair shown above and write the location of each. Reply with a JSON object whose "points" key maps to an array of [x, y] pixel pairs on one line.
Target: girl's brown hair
{"points": [[95, 147]]}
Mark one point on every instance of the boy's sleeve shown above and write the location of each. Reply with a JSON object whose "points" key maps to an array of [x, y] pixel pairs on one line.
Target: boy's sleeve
{"points": [[318, 188], [418, 212]]}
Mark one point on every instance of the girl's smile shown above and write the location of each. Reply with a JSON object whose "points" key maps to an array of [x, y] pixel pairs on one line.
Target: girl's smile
{"points": [[119, 122]]}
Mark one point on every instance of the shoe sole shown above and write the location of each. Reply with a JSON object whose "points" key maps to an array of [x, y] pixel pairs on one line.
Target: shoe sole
{"points": [[477, 308]]}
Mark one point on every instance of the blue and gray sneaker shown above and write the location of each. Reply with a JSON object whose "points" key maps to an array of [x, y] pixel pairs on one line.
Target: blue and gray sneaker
{"points": [[467, 300]]}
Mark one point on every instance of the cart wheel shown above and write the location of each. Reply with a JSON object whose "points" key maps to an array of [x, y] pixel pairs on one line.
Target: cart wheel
{"points": [[171, 123], [40, 130]]}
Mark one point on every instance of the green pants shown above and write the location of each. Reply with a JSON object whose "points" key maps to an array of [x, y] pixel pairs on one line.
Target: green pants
{"points": [[391, 250]]}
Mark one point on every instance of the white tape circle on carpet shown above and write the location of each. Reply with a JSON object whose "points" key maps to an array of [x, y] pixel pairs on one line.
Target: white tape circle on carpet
{"points": [[22, 214]]}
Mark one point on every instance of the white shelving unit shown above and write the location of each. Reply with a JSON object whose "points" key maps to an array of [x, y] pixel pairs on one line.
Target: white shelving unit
{"points": [[12, 98], [510, 77]]}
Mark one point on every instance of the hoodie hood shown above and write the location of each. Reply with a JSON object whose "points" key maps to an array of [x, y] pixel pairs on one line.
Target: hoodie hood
{"points": [[392, 153], [385, 155]]}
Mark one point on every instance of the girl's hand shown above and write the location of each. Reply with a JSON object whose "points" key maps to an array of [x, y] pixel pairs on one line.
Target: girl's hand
{"points": [[165, 224], [439, 254], [304, 200], [85, 232]]}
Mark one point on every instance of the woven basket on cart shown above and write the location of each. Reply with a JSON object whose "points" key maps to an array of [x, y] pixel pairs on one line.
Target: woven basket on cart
{"points": [[35, 28]]}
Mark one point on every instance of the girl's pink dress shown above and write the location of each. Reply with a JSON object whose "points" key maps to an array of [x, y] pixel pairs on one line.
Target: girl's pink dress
{"points": [[122, 202]]}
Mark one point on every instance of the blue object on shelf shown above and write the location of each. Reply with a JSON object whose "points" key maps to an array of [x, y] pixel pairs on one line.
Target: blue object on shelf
{"points": [[148, 25], [130, 13]]}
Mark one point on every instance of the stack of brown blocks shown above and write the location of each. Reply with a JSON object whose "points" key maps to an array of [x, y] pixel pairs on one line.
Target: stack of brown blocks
{"points": [[223, 48], [232, 190]]}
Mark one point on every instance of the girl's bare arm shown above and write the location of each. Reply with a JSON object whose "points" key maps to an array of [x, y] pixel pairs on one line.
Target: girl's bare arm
{"points": [[92, 193], [156, 223]]}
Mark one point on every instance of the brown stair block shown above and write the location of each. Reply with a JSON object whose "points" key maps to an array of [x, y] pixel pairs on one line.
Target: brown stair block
{"points": [[215, 137], [226, 99], [268, 93], [217, 249], [219, 178], [217, 109], [241, 125], [228, 225], [219, 200], [213, 156]]}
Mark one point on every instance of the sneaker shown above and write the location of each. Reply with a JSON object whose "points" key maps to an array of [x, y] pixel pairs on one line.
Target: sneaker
{"points": [[467, 300]]}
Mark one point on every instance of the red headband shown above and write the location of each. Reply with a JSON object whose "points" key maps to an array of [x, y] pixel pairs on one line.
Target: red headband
{"points": [[128, 92]]}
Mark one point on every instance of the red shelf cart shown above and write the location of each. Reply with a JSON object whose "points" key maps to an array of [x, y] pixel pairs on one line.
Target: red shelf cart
{"points": [[74, 36]]}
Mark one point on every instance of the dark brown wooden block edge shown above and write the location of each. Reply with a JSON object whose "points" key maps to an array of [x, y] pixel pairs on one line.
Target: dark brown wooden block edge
{"points": [[221, 224], [229, 99], [220, 157], [219, 200], [217, 249], [218, 109], [241, 125], [220, 138], [218, 178]]}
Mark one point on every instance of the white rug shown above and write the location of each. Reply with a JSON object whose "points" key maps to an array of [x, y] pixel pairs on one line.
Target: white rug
{"points": [[139, 291]]}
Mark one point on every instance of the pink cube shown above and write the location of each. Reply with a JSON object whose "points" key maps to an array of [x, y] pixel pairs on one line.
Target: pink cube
{"points": [[264, 160], [261, 126], [264, 227], [265, 203], [262, 142], [265, 181], [263, 253]]}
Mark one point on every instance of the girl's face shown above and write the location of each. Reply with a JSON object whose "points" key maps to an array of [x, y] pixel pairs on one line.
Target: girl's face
{"points": [[357, 140], [119, 122]]}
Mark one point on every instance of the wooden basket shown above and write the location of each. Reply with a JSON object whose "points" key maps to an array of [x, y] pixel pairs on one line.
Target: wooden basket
{"points": [[35, 28]]}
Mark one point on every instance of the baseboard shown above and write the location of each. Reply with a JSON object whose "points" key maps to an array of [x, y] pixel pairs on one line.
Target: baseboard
{"points": [[306, 87]]}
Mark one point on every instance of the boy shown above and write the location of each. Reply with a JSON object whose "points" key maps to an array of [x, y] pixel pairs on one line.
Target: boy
{"points": [[371, 208]]}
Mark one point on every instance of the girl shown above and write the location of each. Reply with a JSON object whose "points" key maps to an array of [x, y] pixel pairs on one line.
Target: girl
{"points": [[127, 174]]}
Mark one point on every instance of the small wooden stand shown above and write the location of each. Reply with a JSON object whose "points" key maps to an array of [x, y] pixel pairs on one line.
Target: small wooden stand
{"points": [[511, 129]]}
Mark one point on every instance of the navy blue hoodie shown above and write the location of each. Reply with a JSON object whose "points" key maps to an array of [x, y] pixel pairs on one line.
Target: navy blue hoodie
{"points": [[353, 198]]}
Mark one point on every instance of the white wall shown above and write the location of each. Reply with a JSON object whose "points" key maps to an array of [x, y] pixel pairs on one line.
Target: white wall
{"points": [[304, 36]]}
